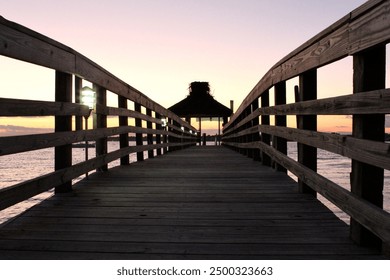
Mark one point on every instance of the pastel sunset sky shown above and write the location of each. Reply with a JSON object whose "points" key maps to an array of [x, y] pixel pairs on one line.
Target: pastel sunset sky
{"points": [[161, 46]]}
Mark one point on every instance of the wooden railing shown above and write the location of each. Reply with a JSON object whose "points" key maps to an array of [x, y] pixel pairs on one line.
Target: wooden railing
{"points": [[362, 34], [163, 130]]}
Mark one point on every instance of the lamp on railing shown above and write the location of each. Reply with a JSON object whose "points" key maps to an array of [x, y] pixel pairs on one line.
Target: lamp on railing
{"points": [[182, 135], [88, 98], [163, 123]]}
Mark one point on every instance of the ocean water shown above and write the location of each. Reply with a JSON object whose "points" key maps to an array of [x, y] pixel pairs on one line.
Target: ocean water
{"points": [[25, 166], [338, 168]]}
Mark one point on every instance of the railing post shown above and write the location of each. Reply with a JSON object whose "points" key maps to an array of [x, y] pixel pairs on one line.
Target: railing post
{"points": [[265, 120], [100, 121], [307, 155], [138, 136], [78, 84], [167, 137], [150, 136], [123, 138], [158, 135], [63, 154], [248, 137], [243, 138], [369, 73], [279, 143], [177, 137], [256, 135]]}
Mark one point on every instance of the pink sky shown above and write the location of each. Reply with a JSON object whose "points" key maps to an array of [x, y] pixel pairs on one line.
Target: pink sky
{"points": [[161, 46]]}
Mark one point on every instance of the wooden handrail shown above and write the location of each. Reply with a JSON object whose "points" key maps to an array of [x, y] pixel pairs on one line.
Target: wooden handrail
{"points": [[363, 34], [24, 44], [363, 28]]}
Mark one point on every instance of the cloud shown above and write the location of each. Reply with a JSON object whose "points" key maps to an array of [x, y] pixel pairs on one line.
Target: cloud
{"points": [[13, 130], [342, 126]]}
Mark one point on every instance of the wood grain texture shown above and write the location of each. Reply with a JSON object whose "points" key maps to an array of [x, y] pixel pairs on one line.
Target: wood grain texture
{"points": [[370, 216], [370, 102], [363, 28], [24, 44], [199, 203], [22, 191], [20, 108], [371, 152]]}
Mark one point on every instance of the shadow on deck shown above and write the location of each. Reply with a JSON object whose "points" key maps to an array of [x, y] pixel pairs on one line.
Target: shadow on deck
{"points": [[199, 203]]}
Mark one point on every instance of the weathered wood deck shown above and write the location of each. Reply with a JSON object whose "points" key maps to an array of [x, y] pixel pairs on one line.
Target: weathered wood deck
{"points": [[199, 203]]}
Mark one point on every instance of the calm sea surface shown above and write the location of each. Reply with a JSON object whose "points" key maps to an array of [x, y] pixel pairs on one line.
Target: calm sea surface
{"points": [[25, 166]]}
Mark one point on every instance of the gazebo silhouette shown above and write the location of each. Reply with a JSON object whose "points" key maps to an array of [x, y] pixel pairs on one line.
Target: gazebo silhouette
{"points": [[201, 104]]}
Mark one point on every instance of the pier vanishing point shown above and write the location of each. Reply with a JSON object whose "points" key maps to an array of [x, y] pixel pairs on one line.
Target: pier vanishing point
{"points": [[188, 201]]}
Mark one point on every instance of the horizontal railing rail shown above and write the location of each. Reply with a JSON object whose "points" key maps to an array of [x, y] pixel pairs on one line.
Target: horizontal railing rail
{"points": [[162, 130], [362, 34]]}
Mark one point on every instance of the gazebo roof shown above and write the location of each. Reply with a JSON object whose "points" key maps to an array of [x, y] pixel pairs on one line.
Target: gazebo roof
{"points": [[200, 104]]}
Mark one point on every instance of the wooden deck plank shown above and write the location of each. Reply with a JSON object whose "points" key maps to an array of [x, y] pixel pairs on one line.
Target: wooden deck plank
{"points": [[199, 203]]}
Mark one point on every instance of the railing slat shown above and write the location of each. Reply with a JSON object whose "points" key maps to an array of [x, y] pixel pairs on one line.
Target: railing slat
{"points": [[363, 28], [371, 152], [370, 102], [20, 192], [371, 216], [29, 108], [370, 28], [24, 44], [24, 143]]}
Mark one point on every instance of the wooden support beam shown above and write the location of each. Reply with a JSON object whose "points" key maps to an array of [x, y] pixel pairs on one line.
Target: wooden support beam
{"points": [[176, 137], [279, 143], [366, 180], [307, 155], [63, 153], [255, 136], [138, 136], [246, 138], [171, 139], [123, 138], [150, 136], [166, 136], [158, 135], [100, 121], [78, 84], [265, 120]]}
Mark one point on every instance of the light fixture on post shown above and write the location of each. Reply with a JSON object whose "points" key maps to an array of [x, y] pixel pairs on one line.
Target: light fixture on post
{"points": [[88, 98], [163, 123], [182, 135]]}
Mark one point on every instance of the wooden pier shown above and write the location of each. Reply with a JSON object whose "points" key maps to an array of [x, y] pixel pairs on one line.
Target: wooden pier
{"points": [[199, 203], [190, 202]]}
